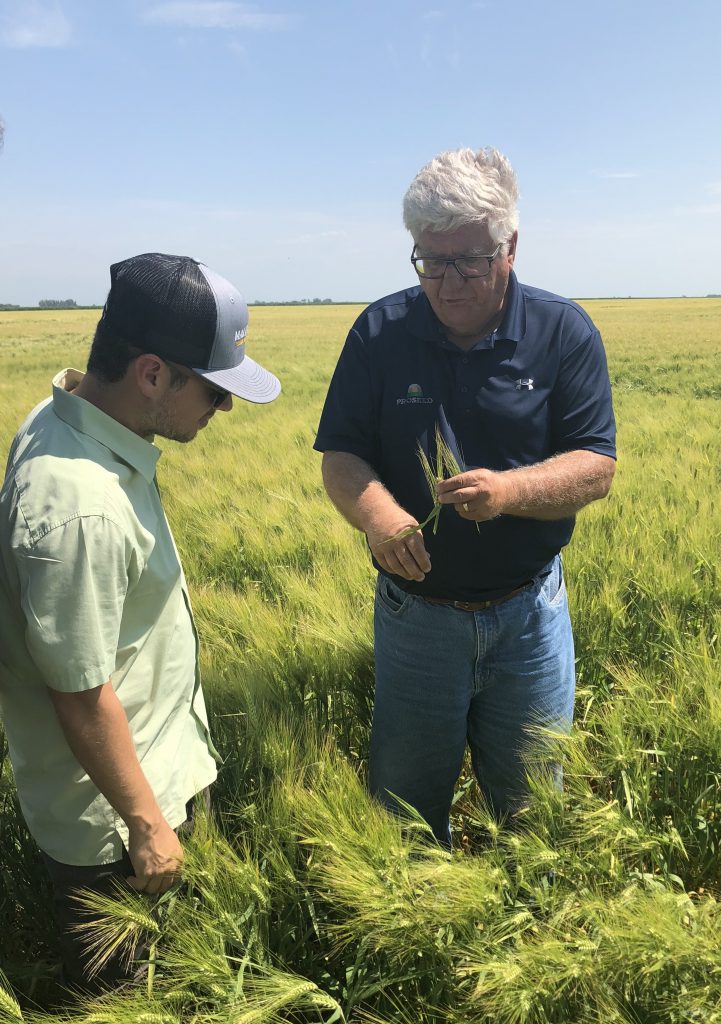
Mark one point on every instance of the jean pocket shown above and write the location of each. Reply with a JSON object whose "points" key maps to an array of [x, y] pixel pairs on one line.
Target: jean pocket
{"points": [[391, 598], [553, 587]]}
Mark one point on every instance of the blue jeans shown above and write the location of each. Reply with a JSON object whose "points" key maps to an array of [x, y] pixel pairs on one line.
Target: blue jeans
{"points": [[446, 678]]}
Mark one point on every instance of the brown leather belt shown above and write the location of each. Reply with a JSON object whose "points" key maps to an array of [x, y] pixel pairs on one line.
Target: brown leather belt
{"points": [[475, 606]]}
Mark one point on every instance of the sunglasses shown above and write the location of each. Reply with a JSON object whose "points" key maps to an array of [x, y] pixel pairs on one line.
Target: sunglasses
{"points": [[216, 395]]}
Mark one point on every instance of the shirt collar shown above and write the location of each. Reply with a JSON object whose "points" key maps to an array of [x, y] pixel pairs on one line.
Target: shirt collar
{"points": [[85, 417], [513, 324], [424, 323]]}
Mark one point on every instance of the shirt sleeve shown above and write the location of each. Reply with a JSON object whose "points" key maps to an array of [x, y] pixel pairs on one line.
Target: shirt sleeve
{"points": [[347, 420], [582, 411], [73, 584]]}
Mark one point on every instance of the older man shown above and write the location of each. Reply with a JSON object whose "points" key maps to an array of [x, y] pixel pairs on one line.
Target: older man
{"points": [[473, 641], [99, 685]]}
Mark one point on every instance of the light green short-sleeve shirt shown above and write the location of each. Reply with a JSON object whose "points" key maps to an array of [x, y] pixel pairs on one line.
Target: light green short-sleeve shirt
{"points": [[91, 590]]}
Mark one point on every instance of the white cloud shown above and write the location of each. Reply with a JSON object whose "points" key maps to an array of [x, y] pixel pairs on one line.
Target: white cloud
{"points": [[714, 188], [222, 14], [34, 25]]}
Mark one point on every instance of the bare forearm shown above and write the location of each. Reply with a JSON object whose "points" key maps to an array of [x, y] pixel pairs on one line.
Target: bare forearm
{"points": [[356, 491], [553, 489], [97, 732], [558, 487]]}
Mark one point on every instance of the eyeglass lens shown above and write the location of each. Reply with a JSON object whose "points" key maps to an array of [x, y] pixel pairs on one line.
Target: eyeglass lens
{"points": [[218, 397], [467, 266]]}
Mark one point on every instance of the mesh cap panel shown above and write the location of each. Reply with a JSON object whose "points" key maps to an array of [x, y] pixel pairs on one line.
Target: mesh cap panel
{"points": [[163, 304]]}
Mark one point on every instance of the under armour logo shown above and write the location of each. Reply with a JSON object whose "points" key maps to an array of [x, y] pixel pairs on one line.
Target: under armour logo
{"points": [[524, 384]]}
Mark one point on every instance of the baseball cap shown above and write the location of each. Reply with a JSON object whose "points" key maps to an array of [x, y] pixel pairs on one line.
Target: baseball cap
{"points": [[181, 310]]}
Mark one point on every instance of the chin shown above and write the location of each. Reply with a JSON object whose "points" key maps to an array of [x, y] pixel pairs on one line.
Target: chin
{"points": [[172, 435]]}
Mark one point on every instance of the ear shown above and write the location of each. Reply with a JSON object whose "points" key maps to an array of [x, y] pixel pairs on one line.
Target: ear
{"points": [[148, 374], [512, 249]]}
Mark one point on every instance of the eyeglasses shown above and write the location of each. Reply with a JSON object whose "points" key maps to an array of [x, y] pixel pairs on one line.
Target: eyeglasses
{"points": [[217, 395], [467, 266]]}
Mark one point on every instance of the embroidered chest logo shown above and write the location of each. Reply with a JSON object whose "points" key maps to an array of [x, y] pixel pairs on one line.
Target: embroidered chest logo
{"points": [[414, 396], [524, 384]]}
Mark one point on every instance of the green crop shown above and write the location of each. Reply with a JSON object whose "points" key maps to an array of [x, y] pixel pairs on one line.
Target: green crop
{"points": [[446, 465]]}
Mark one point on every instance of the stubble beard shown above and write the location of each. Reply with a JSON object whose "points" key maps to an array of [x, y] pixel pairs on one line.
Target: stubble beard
{"points": [[165, 425]]}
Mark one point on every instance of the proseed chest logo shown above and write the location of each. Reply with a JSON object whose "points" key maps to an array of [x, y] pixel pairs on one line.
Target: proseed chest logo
{"points": [[414, 396]]}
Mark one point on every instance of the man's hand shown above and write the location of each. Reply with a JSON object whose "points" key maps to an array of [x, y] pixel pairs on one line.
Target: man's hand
{"points": [[356, 491], [406, 557], [156, 856], [96, 729], [553, 489], [478, 494]]}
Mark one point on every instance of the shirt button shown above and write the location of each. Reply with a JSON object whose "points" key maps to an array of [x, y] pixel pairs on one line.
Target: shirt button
{"points": [[464, 389], [464, 359]]}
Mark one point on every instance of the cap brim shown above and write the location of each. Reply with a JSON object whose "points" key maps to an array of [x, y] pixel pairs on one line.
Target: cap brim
{"points": [[248, 380]]}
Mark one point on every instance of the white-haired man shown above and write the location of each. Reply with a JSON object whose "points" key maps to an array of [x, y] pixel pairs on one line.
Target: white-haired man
{"points": [[473, 643], [99, 686]]}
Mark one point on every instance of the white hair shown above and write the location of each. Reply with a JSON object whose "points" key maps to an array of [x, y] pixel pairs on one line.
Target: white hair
{"points": [[462, 187]]}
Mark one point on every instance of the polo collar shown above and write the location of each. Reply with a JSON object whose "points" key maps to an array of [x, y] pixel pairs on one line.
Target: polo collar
{"points": [[85, 417], [424, 323]]}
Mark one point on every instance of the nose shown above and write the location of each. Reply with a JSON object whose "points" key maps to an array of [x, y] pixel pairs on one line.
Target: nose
{"points": [[451, 281], [227, 404]]}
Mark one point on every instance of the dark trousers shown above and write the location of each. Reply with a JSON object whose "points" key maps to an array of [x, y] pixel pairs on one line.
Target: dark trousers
{"points": [[105, 879], [67, 879]]}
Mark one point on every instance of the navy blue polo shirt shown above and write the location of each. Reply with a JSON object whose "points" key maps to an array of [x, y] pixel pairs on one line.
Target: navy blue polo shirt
{"points": [[535, 387]]}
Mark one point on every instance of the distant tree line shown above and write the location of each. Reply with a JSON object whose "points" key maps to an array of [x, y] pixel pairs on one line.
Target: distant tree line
{"points": [[48, 304], [295, 302]]}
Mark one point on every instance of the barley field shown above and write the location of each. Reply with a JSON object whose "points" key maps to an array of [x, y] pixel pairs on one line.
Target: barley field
{"points": [[308, 903]]}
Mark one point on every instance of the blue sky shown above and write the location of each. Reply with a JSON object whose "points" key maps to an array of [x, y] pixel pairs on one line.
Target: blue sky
{"points": [[274, 141]]}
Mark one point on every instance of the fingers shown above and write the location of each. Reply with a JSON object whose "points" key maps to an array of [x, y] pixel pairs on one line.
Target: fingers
{"points": [[461, 497], [406, 558], [454, 484], [156, 858], [153, 885], [478, 494], [455, 495], [458, 490]]}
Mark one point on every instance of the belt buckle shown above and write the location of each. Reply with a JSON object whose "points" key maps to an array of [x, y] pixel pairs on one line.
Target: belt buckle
{"points": [[466, 606]]}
